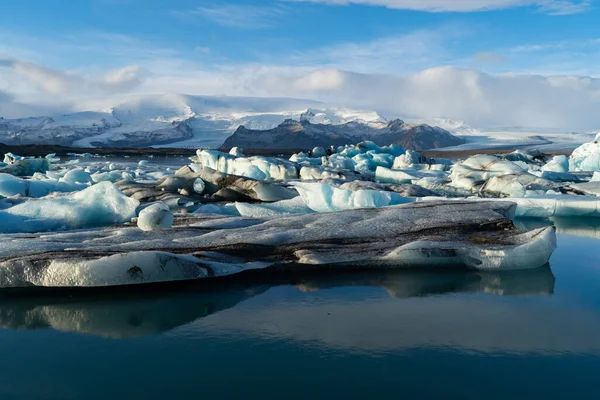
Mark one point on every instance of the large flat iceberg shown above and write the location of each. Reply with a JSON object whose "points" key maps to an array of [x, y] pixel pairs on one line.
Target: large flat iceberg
{"points": [[475, 235]]}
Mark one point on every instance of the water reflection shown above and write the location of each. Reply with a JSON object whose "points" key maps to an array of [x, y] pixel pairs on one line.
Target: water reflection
{"points": [[406, 283], [133, 315], [120, 316]]}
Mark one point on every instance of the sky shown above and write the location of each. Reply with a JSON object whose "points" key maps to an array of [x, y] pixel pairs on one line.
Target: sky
{"points": [[489, 62]]}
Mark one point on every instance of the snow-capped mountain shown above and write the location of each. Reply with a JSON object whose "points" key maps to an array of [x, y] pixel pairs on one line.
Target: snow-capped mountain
{"points": [[304, 135], [174, 120]]}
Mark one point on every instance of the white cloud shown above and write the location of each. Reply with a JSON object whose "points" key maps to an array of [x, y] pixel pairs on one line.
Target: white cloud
{"points": [[52, 81], [552, 7], [123, 79], [237, 16], [46, 79]]}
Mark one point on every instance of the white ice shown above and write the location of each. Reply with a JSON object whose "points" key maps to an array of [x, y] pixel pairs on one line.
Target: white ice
{"points": [[586, 157], [270, 210], [99, 205], [155, 217], [386, 175], [260, 168], [321, 197]]}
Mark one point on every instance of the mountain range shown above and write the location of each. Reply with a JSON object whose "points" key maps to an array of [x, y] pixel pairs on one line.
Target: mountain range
{"points": [[305, 135], [176, 120]]}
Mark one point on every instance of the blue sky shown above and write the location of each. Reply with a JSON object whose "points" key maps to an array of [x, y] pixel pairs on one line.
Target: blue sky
{"points": [[107, 47]]}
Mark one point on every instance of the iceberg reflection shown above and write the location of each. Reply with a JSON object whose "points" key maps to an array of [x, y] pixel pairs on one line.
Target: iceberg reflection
{"points": [[411, 283], [134, 315]]}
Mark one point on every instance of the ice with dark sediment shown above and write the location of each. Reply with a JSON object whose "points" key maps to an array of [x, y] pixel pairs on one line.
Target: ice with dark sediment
{"points": [[473, 235]]}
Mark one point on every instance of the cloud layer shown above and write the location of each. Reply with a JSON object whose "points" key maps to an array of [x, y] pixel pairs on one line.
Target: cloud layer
{"points": [[481, 99], [552, 7]]}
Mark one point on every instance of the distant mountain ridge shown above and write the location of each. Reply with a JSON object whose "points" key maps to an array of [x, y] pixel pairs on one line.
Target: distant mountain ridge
{"points": [[303, 134], [171, 120]]}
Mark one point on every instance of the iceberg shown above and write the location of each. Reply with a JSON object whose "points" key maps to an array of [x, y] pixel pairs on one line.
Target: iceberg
{"points": [[557, 164], [318, 152], [473, 235], [516, 185], [155, 217], [322, 197], [99, 205], [11, 186], [226, 187], [270, 210], [25, 166], [586, 157], [259, 168], [386, 175]]}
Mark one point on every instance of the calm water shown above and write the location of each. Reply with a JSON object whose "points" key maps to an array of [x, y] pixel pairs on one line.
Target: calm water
{"points": [[392, 334]]}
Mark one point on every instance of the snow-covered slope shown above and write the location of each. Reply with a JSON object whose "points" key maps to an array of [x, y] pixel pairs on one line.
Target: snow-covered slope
{"points": [[172, 120], [176, 120]]}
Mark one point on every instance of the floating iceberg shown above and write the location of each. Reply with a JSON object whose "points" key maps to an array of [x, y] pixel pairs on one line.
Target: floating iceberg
{"points": [[557, 164], [386, 175], [476, 235], [155, 217], [259, 168], [322, 197], [13, 186], [586, 157], [99, 205], [517, 185], [25, 166], [270, 210]]}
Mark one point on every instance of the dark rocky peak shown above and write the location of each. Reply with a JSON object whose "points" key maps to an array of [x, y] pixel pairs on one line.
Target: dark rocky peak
{"points": [[395, 124], [308, 114]]}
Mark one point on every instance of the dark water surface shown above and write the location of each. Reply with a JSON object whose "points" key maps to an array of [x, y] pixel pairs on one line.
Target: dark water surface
{"points": [[392, 334]]}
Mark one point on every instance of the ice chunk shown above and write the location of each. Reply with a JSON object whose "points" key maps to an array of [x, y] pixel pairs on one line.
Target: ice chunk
{"points": [[560, 176], [411, 157], [13, 186], [340, 162], [269, 210], [155, 217], [10, 186], [319, 173], [260, 168], [557, 164], [234, 188], [484, 167], [99, 205], [76, 175], [198, 186], [472, 173], [386, 175], [319, 152], [236, 151], [322, 197], [516, 185], [26, 166], [143, 163], [586, 157]]}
